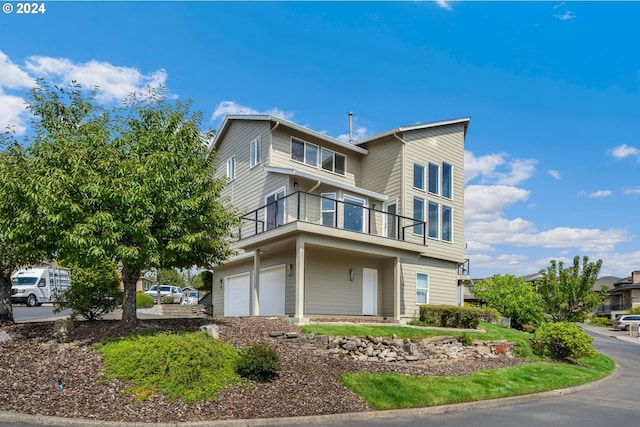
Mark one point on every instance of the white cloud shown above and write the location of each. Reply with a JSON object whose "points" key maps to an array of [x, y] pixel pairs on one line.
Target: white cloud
{"points": [[481, 166], [631, 190], [12, 110], [520, 170], [555, 174], [115, 82], [231, 107], [565, 16], [486, 202], [11, 76], [624, 150], [559, 5], [358, 133], [496, 168], [445, 4], [600, 193]]}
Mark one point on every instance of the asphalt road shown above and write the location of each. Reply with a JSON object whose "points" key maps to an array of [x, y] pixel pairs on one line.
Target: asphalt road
{"points": [[610, 402], [22, 313]]}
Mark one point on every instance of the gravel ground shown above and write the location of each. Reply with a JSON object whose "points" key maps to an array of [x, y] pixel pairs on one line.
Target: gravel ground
{"points": [[307, 385]]}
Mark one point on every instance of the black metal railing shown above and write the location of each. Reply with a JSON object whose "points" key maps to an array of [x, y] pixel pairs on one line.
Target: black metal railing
{"points": [[329, 212], [608, 308]]}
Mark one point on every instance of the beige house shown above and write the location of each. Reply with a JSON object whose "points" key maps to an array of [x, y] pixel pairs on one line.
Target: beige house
{"points": [[373, 227]]}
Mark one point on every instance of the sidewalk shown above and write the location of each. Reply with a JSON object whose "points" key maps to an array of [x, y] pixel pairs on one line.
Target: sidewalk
{"points": [[609, 332]]}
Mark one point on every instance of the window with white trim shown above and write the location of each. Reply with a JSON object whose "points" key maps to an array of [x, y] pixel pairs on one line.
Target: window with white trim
{"points": [[275, 209], [432, 221], [255, 154], [447, 224], [334, 162], [304, 152], [418, 176], [328, 209], [447, 180], [422, 288], [433, 178], [353, 214], [418, 215], [231, 168]]}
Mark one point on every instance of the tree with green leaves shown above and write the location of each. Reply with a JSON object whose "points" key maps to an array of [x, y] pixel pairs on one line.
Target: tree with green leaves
{"points": [[512, 296], [94, 291], [567, 293], [171, 277], [134, 184]]}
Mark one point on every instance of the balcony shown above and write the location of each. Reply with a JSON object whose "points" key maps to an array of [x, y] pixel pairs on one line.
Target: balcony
{"points": [[351, 216]]}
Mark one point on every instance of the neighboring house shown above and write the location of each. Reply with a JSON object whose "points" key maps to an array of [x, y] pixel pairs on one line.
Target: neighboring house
{"points": [[373, 227], [622, 295]]}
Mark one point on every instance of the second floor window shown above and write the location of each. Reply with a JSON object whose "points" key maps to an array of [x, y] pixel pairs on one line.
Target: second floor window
{"points": [[447, 224], [304, 152], [432, 221], [254, 155], [353, 213], [328, 208], [334, 162], [447, 180], [418, 176], [418, 215], [433, 178], [231, 168]]}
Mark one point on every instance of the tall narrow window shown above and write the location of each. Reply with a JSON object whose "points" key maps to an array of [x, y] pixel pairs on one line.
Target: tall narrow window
{"points": [[297, 150], [418, 215], [447, 180], [433, 178], [353, 214], [275, 210], [231, 168], [328, 208], [422, 288], [418, 176], [254, 155], [447, 224], [432, 222], [311, 154]]}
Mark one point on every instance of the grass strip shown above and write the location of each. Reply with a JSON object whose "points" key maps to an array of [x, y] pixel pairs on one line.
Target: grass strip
{"points": [[392, 391]]}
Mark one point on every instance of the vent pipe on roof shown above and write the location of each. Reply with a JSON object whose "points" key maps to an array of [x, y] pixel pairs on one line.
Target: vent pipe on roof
{"points": [[350, 127]]}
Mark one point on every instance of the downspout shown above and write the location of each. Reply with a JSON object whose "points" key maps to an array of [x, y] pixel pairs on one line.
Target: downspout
{"points": [[402, 202]]}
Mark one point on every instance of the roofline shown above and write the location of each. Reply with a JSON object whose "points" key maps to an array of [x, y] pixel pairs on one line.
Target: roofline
{"points": [[269, 118], [337, 184], [464, 120]]}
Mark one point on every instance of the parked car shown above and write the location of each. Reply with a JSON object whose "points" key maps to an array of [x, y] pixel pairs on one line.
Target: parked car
{"points": [[624, 321], [165, 290], [191, 296]]}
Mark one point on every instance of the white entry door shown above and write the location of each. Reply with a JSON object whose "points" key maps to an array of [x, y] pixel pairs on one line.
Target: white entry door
{"points": [[271, 291], [369, 292], [236, 295]]}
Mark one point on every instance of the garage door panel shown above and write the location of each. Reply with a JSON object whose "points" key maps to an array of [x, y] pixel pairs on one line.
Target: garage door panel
{"points": [[236, 295], [272, 291]]}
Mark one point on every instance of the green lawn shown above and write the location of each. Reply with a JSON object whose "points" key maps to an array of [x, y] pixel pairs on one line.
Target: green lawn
{"points": [[391, 391]]}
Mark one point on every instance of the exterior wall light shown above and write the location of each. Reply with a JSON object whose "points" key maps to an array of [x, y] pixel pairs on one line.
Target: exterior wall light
{"points": [[351, 274]]}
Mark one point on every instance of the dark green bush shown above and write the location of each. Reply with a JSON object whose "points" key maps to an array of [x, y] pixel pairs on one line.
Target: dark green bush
{"points": [[167, 299], [453, 316], [600, 321], [260, 362], [143, 300], [562, 340]]}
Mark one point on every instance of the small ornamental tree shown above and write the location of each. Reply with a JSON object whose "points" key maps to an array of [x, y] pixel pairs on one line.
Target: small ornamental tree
{"points": [[512, 297], [135, 184], [567, 293], [94, 291]]}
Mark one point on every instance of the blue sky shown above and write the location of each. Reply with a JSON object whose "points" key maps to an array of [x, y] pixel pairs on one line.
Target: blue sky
{"points": [[552, 88]]}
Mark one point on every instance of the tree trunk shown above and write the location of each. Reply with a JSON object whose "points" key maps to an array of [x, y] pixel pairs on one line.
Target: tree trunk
{"points": [[130, 277], [6, 310]]}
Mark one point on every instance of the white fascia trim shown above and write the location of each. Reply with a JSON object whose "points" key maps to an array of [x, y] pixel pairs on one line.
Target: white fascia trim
{"points": [[283, 122], [346, 187], [419, 126]]}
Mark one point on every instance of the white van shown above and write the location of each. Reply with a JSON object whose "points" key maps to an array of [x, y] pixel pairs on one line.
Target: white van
{"points": [[33, 286]]}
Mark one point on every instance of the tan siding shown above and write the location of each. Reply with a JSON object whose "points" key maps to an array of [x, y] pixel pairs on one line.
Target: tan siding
{"points": [[442, 284]]}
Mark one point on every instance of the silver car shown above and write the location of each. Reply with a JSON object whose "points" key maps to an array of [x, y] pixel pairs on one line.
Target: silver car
{"points": [[165, 290], [624, 321]]}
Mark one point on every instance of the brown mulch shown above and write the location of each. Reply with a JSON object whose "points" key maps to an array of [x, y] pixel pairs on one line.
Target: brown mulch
{"points": [[307, 385]]}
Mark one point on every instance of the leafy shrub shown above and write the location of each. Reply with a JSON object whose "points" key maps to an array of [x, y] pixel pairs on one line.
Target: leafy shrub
{"points": [[453, 316], [143, 300], [600, 321], [562, 340], [634, 310], [167, 299], [260, 362], [190, 366], [94, 291], [466, 339]]}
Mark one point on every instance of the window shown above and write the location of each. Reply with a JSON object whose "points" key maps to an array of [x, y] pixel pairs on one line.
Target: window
{"points": [[275, 209], [418, 176], [433, 178], [418, 215], [328, 208], [432, 222], [353, 214], [304, 152], [447, 224], [422, 288], [231, 168], [447, 180], [334, 162], [254, 156]]}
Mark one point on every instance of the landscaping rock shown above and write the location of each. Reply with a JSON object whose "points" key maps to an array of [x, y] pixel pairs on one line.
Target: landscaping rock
{"points": [[212, 330], [4, 336]]}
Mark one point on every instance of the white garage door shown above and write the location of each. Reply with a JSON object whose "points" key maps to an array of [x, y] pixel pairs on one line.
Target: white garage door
{"points": [[271, 293], [236, 295]]}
